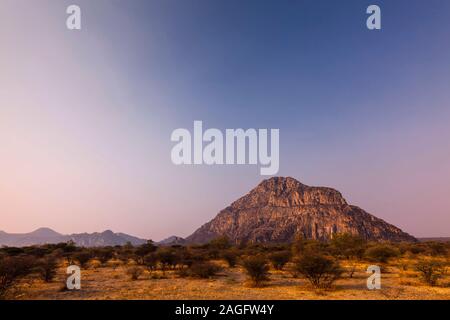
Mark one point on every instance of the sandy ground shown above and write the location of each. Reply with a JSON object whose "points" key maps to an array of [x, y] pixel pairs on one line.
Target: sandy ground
{"points": [[231, 283]]}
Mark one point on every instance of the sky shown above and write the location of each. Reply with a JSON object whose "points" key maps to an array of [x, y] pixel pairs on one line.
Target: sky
{"points": [[86, 115]]}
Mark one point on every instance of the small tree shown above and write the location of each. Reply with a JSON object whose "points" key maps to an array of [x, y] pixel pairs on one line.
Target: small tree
{"points": [[347, 246], [151, 261], [83, 258], [320, 270], [168, 258], [431, 270], [257, 269], [351, 268], [279, 259], [230, 256], [203, 269], [220, 243], [47, 267], [382, 253], [104, 255]]}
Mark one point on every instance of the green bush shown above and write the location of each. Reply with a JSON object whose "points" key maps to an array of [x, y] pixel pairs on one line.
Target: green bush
{"points": [[47, 268], [279, 259], [231, 257], [347, 246], [143, 250], [257, 269], [305, 246], [104, 254], [437, 248], [321, 271], [381, 253], [431, 270], [83, 258], [151, 261], [168, 257], [220, 243], [202, 270]]}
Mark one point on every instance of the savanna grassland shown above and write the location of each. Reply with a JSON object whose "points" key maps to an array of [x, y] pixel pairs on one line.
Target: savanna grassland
{"points": [[305, 269]]}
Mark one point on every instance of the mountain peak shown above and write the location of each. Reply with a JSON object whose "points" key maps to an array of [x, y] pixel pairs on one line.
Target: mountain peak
{"points": [[277, 181], [45, 232], [280, 208], [288, 192]]}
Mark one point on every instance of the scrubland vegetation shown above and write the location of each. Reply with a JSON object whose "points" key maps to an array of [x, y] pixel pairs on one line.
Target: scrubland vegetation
{"points": [[304, 269]]}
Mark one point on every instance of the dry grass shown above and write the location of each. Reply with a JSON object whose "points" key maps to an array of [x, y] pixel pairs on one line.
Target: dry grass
{"points": [[112, 282]]}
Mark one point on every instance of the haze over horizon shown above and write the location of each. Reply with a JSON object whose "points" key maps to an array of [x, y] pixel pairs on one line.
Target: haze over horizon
{"points": [[86, 117]]}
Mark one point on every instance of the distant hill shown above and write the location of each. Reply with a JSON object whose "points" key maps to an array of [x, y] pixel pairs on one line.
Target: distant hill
{"points": [[46, 236], [280, 208], [438, 239], [173, 240]]}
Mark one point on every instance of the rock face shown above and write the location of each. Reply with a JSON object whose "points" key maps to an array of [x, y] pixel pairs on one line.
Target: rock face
{"points": [[280, 208]]}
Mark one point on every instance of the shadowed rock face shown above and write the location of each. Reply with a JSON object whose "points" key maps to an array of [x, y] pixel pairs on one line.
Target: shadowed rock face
{"points": [[280, 208]]}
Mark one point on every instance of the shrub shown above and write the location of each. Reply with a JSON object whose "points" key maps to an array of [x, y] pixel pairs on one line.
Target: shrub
{"points": [[151, 261], [12, 269], [202, 270], [220, 243], [104, 255], [257, 269], [83, 258], [416, 248], [431, 270], [351, 268], [189, 257], [168, 258], [279, 259], [125, 254], [38, 252], [13, 251], [144, 250], [47, 268], [437, 248], [230, 256], [320, 270], [382, 253], [302, 246], [134, 272], [347, 246]]}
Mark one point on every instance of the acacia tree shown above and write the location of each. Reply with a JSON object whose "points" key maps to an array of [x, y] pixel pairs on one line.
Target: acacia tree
{"points": [[431, 270], [142, 251], [83, 258], [151, 261], [104, 254], [347, 246], [47, 267], [257, 269], [320, 270], [279, 259]]}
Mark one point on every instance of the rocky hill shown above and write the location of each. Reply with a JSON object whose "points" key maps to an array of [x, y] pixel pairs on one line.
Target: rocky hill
{"points": [[280, 208], [46, 235]]}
